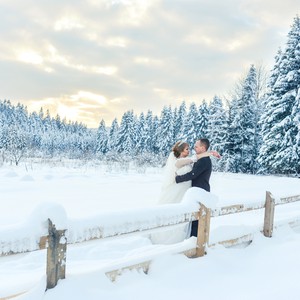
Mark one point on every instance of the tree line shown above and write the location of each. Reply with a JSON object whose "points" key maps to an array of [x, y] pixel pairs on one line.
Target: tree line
{"points": [[257, 130]]}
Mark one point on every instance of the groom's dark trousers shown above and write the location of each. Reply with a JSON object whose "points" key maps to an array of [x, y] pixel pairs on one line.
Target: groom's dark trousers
{"points": [[199, 175]]}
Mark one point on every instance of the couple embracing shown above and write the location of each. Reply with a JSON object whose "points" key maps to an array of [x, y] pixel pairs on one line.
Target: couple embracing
{"points": [[183, 171]]}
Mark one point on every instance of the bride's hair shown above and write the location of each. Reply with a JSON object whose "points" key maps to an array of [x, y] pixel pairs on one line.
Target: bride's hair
{"points": [[178, 148]]}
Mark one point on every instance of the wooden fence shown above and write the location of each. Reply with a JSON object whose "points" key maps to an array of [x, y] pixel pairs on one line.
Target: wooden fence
{"points": [[57, 243]]}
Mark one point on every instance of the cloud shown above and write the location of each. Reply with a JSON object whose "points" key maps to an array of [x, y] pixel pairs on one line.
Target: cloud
{"points": [[67, 23], [30, 57], [135, 54], [80, 106]]}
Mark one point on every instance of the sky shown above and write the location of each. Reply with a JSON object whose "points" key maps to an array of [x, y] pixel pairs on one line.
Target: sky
{"points": [[95, 59], [41, 191]]}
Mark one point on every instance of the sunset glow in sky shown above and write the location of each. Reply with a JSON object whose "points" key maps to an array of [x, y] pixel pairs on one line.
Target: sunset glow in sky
{"points": [[95, 59]]}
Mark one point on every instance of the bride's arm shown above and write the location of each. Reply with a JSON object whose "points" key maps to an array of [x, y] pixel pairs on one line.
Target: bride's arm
{"points": [[183, 162], [209, 153]]}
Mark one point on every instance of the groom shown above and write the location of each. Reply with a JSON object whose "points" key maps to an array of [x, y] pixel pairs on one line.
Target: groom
{"points": [[199, 175]]}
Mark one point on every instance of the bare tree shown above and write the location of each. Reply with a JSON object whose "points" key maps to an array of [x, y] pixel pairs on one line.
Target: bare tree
{"points": [[262, 76]]}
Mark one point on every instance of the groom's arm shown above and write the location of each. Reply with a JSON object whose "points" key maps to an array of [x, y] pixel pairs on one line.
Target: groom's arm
{"points": [[199, 167]]}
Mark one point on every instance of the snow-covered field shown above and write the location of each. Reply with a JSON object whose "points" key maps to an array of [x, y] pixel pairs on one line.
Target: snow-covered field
{"points": [[266, 269]]}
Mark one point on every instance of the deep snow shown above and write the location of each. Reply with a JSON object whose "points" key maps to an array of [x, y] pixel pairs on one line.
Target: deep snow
{"points": [[269, 268]]}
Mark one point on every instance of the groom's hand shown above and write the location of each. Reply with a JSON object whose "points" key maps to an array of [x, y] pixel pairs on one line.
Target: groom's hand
{"points": [[215, 153]]}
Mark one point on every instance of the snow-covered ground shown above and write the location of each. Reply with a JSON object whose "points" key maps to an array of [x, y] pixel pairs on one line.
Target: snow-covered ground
{"points": [[266, 269]]}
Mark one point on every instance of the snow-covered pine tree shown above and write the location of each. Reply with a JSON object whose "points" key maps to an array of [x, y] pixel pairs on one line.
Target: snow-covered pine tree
{"points": [[4, 136], [86, 142], [101, 139], [217, 124], [280, 151], [179, 122], [243, 126], [165, 131], [141, 134], [127, 136], [35, 127], [82, 141], [202, 120], [41, 113], [149, 132], [146, 144], [217, 130], [191, 125], [60, 142], [175, 117], [57, 122], [113, 135], [155, 137], [21, 116], [135, 134], [230, 148], [47, 122]]}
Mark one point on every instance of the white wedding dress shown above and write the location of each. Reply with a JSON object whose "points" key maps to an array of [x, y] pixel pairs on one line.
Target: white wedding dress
{"points": [[172, 192]]}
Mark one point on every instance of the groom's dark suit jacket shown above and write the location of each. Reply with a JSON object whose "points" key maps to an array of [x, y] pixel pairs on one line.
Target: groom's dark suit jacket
{"points": [[199, 175]]}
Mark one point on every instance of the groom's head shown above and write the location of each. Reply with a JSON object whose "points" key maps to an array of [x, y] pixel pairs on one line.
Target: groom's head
{"points": [[201, 145]]}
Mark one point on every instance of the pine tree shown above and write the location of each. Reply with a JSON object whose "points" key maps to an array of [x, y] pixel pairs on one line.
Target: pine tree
{"points": [[4, 129], [203, 120], [217, 124], [176, 126], [35, 126], [149, 132], [113, 135], [230, 148], [141, 134], [280, 151], [179, 122], [156, 138], [243, 126], [191, 125], [126, 140], [165, 131], [101, 139]]}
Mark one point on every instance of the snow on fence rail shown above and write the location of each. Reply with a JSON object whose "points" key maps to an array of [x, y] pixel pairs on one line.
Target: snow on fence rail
{"points": [[32, 235], [226, 210], [167, 215]]}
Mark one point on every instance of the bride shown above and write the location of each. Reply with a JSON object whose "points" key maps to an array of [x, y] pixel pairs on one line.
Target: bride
{"points": [[179, 162]]}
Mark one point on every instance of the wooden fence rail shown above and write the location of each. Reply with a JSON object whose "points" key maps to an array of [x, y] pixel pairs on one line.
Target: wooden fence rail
{"points": [[57, 242], [204, 215]]}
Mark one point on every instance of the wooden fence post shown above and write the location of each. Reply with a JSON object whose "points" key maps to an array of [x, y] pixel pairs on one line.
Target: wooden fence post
{"points": [[269, 215], [203, 230], [56, 255]]}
